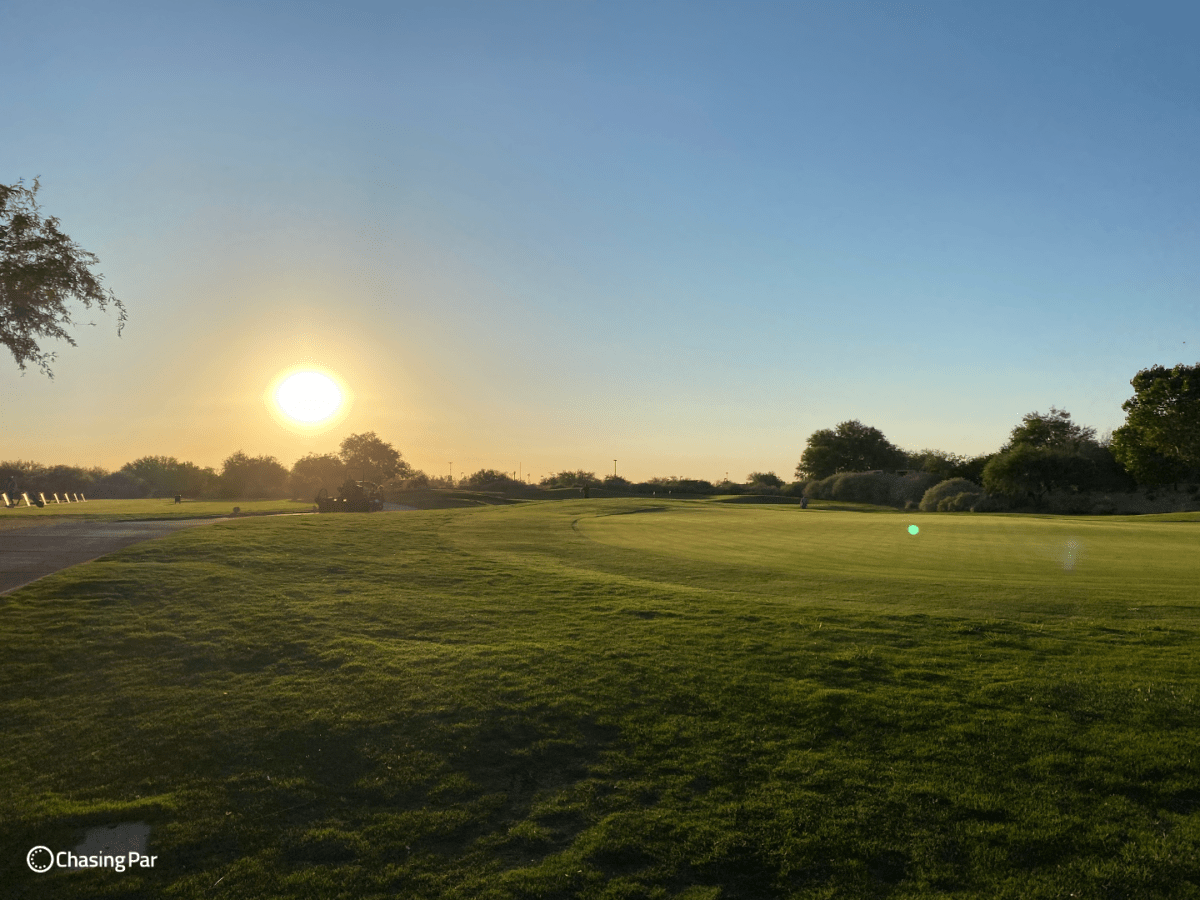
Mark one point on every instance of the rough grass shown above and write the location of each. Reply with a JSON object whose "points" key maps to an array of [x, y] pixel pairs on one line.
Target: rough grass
{"points": [[144, 510], [617, 699]]}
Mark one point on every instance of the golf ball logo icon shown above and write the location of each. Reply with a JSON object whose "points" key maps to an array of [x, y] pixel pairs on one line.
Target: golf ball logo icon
{"points": [[40, 859]]}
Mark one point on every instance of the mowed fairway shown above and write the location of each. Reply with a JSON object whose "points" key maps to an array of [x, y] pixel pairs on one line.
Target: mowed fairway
{"points": [[619, 699]]}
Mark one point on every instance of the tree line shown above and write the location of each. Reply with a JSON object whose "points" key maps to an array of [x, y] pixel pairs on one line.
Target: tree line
{"points": [[361, 457], [1046, 454]]}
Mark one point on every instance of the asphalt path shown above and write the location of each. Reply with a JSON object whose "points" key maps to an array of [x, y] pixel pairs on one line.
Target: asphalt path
{"points": [[27, 554]]}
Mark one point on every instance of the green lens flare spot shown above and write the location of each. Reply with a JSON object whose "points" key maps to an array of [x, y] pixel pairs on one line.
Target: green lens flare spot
{"points": [[913, 529]]}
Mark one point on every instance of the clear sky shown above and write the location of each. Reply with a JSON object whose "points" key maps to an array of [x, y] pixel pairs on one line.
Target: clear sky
{"points": [[548, 235]]}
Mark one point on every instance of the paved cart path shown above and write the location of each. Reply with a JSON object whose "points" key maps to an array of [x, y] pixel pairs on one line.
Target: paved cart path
{"points": [[30, 553]]}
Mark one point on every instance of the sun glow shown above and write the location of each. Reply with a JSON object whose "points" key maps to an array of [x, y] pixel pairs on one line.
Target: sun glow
{"points": [[307, 399]]}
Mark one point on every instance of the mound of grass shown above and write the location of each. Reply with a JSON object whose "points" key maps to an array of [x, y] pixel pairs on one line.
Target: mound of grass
{"points": [[640, 698]]}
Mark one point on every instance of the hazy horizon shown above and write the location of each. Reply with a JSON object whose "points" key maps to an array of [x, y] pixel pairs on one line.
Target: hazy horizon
{"points": [[681, 235]]}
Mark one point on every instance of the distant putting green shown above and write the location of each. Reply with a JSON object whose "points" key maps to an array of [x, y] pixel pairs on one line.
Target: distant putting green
{"points": [[616, 699]]}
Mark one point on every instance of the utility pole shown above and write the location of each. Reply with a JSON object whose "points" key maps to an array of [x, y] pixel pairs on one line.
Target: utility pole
{"points": [[451, 474], [614, 468]]}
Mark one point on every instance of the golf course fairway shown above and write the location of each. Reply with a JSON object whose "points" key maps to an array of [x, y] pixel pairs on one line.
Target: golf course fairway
{"points": [[633, 698]]}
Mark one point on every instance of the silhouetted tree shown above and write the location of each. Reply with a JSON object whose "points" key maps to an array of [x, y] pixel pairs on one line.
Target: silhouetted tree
{"points": [[166, 476], [764, 480], [41, 271], [370, 458], [490, 480], [253, 477], [315, 471], [568, 479]]}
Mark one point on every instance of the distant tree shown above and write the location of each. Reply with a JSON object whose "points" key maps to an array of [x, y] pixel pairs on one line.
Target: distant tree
{"points": [[937, 462], [1148, 466], [41, 271], [676, 485], [369, 458], [166, 476], [490, 480], [1162, 419], [118, 486], [569, 479], [617, 483], [252, 477], [1026, 470], [315, 471], [764, 479], [415, 480], [972, 467], [1052, 429], [851, 447]]}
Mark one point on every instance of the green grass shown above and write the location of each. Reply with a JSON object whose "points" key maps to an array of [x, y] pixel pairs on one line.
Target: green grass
{"points": [[143, 510], [617, 699]]}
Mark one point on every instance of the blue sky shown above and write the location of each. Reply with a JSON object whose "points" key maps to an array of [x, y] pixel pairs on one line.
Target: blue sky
{"points": [[682, 235]]}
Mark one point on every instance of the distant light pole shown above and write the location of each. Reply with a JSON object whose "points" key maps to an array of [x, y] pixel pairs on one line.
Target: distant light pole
{"points": [[451, 474], [614, 468]]}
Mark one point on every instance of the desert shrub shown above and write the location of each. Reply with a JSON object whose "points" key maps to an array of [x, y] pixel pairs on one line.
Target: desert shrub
{"points": [[947, 489]]}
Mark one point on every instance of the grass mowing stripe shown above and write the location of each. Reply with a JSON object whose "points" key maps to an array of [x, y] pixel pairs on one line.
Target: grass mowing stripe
{"points": [[539, 701]]}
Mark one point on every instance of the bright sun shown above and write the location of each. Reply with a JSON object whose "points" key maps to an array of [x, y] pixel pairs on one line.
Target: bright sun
{"points": [[308, 397]]}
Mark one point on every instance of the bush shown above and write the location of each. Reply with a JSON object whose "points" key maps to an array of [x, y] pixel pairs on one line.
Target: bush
{"points": [[989, 503], [947, 490], [878, 488], [912, 487], [964, 502]]}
